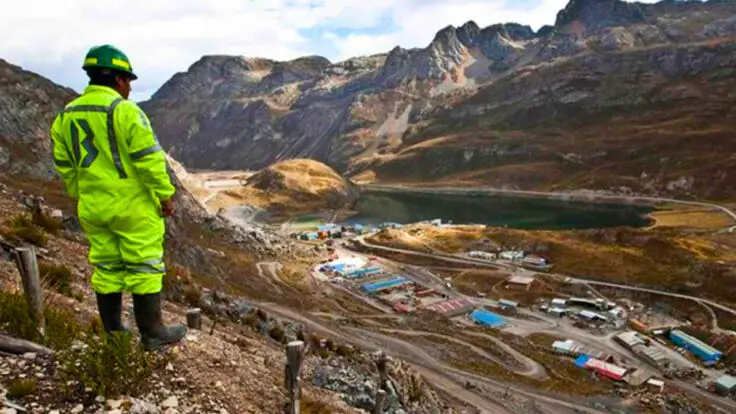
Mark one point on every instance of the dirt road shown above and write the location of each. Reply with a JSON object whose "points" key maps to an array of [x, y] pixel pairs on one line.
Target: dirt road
{"points": [[440, 375]]}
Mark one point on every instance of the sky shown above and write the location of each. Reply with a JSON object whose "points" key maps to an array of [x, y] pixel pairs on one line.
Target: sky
{"points": [[162, 37]]}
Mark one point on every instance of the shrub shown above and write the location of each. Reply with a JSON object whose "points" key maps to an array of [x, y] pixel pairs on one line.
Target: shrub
{"points": [[61, 325], [250, 319], [278, 334], [345, 351], [22, 227], [21, 388], [58, 277], [51, 225], [110, 364]]}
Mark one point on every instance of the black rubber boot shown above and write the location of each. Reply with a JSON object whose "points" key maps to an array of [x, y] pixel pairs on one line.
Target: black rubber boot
{"points": [[110, 306], [154, 334]]}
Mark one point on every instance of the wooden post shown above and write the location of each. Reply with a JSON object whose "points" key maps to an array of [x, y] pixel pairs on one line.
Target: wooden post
{"points": [[194, 318], [380, 397], [294, 357], [382, 365], [19, 346], [25, 258]]}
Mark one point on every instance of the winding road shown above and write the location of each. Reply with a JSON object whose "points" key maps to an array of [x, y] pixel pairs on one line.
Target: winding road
{"points": [[438, 374]]}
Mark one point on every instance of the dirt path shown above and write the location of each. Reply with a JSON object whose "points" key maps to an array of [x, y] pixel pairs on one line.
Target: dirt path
{"points": [[272, 269], [530, 368], [438, 374]]}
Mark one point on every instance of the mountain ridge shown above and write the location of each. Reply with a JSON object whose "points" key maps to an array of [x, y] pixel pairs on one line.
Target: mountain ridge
{"points": [[378, 115]]}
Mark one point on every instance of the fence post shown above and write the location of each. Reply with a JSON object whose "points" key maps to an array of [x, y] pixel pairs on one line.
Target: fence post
{"points": [[194, 318], [25, 258], [382, 365], [380, 397], [294, 356]]}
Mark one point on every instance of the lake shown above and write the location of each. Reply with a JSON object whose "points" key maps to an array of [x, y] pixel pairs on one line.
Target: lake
{"points": [[515, 212]]}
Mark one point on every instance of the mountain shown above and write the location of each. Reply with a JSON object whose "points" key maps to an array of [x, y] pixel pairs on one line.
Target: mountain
{"points": [[615, 96], [28, 104]]}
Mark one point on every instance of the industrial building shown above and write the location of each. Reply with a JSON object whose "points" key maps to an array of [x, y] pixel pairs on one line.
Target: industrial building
{"points": [[567, 347], [639, 345], [592, 316], [655, 385], [557, 312], [482, 255], [536, 263], [511, 255], [652, 355], [385, 285], [590, 303], [508, 304], [726, 385], [697, 347], [629, 339], [519, 282], [359, 273], [452, 308], [486, 318], [558, 303], [611, 371]]}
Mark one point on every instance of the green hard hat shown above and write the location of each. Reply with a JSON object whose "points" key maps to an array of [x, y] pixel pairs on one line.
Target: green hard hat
{"points": [[110, 57]]}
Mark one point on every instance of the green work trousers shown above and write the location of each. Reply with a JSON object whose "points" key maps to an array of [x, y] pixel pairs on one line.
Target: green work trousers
{"points": [[126, 235]]}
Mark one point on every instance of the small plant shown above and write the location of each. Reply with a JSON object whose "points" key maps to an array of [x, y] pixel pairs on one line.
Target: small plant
{"points": [[57, 277], [278, 334], [22, 227], [250, 319], [51, 225], [110, 364], [192, 294], [15, 319], [20, 388], [415, 389], [345, 351]]}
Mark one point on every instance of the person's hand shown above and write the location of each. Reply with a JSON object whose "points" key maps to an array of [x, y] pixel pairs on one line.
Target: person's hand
{"points": [[167, 208]]}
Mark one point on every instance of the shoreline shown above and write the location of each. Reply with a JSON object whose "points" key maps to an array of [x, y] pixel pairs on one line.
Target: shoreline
{"points": [[657, 203], [585, 197]]}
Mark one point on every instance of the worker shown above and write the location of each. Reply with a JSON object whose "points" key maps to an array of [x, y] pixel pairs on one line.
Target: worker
{"points": [[112, 165]]}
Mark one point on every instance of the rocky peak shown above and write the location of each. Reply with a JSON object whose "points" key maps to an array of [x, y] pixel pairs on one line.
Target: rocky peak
{"points": [[219, 76], [597, 14], [468, 32]]}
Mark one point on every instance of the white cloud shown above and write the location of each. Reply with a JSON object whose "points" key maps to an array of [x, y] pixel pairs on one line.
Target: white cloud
{"points": [[166, 36]]}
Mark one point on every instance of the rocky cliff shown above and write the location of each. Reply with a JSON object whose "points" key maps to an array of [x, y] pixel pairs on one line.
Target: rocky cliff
{"points": [[615, 96], [28, 104]]}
